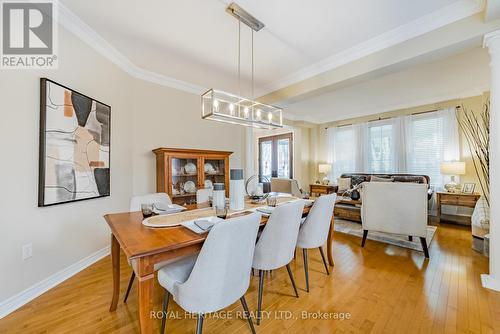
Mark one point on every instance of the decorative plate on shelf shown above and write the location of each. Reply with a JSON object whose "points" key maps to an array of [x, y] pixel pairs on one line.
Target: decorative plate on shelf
{"points": [[189, 187], [209, 168], [208, 184], [190, 168]]}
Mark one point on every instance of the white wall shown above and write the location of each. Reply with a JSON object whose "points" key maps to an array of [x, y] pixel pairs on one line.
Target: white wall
{"points": [[144, 116]]}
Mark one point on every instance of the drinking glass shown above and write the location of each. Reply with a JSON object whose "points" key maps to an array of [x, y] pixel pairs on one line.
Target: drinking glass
{"points": [[221, 211], [272, 201], [147, 210]]}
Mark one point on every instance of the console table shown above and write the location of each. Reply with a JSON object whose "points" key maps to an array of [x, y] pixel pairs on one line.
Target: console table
{"points": [[348, 209], [322, 189], [457, 199]]}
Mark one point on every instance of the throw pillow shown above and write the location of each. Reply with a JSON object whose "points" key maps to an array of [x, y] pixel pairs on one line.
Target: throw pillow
{"points": [[357, 180], [344, 183], [381, 179]]}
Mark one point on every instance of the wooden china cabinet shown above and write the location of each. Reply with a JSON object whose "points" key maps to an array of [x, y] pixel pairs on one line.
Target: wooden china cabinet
{"points": [[180, 172]]}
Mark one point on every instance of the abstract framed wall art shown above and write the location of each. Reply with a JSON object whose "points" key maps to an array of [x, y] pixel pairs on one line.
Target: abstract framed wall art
{"points": [[75, 133]]}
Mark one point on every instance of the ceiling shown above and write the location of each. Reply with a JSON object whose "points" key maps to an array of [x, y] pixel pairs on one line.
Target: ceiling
{"points": [[444, 78], [196, 40]]}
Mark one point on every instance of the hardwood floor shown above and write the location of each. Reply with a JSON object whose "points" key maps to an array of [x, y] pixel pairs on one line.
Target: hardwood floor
{"points": [[378, 289]]}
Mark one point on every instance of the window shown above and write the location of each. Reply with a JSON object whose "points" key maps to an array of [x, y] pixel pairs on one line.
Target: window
{"points": [[380, 148], [415, 144], [275, 156], [344, 153], [426, 146]]}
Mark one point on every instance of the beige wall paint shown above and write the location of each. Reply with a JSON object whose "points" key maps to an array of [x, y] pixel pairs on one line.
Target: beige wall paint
{"points": [[63, 234], [165, 117]]}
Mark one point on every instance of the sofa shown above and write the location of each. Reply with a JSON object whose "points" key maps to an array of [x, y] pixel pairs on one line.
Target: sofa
{"points": [[353, 211]]}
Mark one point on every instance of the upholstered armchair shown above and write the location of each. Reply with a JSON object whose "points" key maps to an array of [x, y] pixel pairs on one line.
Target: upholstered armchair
{"points": [[399, 208], [288, 186]]}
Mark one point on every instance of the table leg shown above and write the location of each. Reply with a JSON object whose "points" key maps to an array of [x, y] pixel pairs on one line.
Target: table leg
{"points": [[145, 290], [115, 260], [329, 243]]}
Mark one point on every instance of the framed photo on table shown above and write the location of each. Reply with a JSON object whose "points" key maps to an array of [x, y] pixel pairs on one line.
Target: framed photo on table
{"points": [[468, 188]]}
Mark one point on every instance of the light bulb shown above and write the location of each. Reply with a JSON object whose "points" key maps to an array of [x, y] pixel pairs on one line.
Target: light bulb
{"points": [[231, 108], [246, 112], [270, 116], [258, 113], [216, 104]]}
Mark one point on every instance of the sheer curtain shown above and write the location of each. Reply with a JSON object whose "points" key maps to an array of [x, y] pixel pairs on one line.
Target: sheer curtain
{"points": [[345, 150], [432, 138], [415, 144]]}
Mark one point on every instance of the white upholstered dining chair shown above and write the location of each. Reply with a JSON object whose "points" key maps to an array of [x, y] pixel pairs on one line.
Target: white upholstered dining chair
{"points": [[135, 205], [203, 195], [313, 232], [395, 207], [218, 276], [276, 245]]}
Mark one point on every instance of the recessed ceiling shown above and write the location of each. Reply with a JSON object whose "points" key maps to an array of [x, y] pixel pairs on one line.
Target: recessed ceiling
{"points": [[196, 41], [418, 83]]}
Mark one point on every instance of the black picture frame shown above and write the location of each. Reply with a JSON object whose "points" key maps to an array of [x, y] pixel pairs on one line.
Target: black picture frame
{"points": [[104, 185]]}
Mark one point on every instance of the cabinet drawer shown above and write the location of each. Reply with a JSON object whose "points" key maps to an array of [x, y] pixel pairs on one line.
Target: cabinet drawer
{"points": [[467, 201], [450, 199]]}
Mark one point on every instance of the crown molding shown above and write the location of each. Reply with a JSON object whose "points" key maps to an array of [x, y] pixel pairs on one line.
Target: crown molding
{"points": [[77, 26], [432, 21]]}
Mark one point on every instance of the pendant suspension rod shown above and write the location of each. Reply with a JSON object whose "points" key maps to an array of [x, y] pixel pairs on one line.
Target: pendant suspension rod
{"points": [[253, 96], [239, 56]]}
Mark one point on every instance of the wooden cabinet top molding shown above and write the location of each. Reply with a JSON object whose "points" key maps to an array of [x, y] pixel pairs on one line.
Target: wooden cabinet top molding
{"points": [[187, 150]]}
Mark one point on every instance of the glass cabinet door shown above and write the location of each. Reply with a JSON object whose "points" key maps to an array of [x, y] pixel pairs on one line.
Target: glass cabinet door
{"points": [[214, 173], [184, 180]]}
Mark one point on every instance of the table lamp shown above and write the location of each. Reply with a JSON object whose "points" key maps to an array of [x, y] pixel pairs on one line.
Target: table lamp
{"points": [[452, 168], [325, 169]]}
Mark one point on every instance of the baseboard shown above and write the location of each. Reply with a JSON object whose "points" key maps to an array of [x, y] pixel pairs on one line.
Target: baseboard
{"points": [[489, 282], [13, 303]]}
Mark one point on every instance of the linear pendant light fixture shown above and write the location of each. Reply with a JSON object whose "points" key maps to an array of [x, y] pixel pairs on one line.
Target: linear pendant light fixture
{"points": [[229, 108]]}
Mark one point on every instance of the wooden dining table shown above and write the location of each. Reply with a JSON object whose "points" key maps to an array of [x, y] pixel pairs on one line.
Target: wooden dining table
{"points": [[148, 246]]}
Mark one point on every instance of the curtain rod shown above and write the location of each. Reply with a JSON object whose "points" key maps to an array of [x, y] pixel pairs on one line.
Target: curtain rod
{"points": [[381, 119]]}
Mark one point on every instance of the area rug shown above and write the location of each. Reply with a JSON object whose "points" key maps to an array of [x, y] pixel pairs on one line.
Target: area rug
{"points": [[348, 227]]}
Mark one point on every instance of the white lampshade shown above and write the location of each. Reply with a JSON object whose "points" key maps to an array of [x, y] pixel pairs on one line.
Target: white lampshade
{"points": [[452, 168], [324, 168]]}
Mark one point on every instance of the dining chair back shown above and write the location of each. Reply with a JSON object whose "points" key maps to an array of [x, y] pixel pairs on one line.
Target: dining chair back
{"points": [[277, 241], [314, 231], [136, 201], [135, 205], [218, 276], [221, 274], [276, 245], [203, 195]]}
